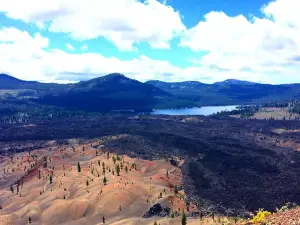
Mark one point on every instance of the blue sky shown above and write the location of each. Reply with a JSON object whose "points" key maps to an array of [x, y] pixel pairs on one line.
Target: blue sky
{"points": [[208, 41]]}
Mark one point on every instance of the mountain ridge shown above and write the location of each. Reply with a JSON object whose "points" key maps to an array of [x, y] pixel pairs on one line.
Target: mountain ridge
{"points": [[227, 81], [115, 91]]}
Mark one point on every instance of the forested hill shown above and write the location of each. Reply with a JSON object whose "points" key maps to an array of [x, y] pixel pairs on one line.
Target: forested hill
{"points": [[111, 92], [11, 83], [229, 91], [117, 92], [103, 94]]}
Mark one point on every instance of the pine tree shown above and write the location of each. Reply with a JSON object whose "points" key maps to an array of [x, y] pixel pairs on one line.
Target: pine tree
{"points": [[175, 189], [29, 219], [155, 223], [118, 169], [183, 219], [87, 182], [12, 188], [107, 155], [201, 215], [39, 174], [114, 159], [103, 219], [78, 167], [126, 169], [50, 179], [98, 162], [104, 180]]}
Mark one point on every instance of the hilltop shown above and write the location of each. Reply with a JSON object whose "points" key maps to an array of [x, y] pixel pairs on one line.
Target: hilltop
{"points": [[116, 92], [229, 92], [113, 92]]}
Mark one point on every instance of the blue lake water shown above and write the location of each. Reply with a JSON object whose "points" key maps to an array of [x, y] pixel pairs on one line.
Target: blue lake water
{"points": [[204, 111]]}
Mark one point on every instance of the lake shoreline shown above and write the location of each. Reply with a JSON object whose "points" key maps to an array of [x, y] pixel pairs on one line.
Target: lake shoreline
{"points": [[195, 111]]}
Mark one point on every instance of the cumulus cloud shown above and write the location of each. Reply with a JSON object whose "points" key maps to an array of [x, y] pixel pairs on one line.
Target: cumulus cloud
{"points": [[29, 57], [267, 45], [265, 49], [123, 22]]}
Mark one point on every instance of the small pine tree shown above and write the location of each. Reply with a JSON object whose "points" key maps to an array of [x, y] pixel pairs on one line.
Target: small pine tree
{"points": [[104, 180], [39, 174], [155, 223], [87, 182], [107, 155], [126, 169], [167, 174], [175, 189], [201, 215], [118, 169], [114, 159], [12, 188], [103, 219], [183, 219], [172, 215], [78, 167], [50, 179], [98, 162], [29, 219]]}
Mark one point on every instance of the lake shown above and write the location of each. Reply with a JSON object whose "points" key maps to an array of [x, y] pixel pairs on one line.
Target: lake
{"points": [[204, 111]]}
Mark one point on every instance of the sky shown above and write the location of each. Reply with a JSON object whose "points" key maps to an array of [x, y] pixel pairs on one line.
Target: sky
{"points": [[169, 40]]}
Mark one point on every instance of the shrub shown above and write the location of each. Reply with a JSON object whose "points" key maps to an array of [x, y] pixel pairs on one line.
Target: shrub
{"points": [[260, 217]]}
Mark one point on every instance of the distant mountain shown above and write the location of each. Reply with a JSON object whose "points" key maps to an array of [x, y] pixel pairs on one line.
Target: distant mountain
{"points": [[235, 82], [114, 92], [117, 92], [11, 83], [176, 85], [229, 91]]}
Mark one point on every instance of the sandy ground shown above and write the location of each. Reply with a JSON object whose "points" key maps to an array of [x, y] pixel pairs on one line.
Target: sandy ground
{"points": [[82, 197]]}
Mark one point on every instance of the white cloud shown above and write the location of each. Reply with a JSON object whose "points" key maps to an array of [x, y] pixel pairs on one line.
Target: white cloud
{"points": [[70, 47], [124, 22], [269, 45], [29, 57], [257, 49]]}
